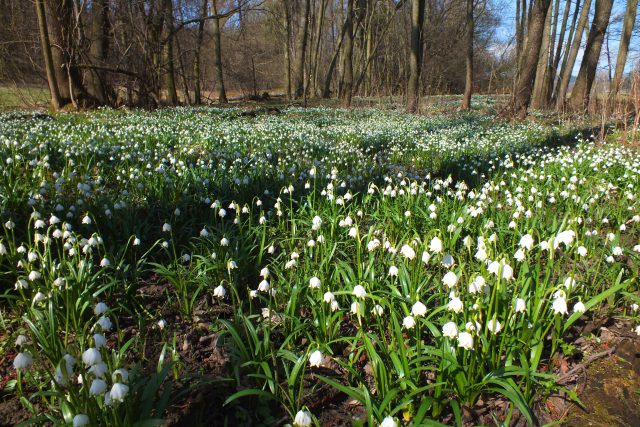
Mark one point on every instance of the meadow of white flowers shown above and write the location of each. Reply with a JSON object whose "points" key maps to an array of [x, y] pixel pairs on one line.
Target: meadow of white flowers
{"points": [[413, 264]]}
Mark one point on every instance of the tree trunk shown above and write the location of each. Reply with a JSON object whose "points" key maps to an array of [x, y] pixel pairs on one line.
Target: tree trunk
{"points": [[318, 39], [537, 99], [579, 99], [197, 90], [567, 68], [287, 48], [468, 84], [301, 48], [558, 53], [168, 72], [347, 84], [522, 94], [326, 90], [99, 49], [623, 49], [45, 46], [217, 55], [415, 57]]}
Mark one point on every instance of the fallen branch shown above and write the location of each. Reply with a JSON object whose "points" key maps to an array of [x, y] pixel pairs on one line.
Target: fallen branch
{"points": [[588, 361]]}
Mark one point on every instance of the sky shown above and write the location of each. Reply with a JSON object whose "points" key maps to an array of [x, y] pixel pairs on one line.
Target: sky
{"points": [[506, 31]]}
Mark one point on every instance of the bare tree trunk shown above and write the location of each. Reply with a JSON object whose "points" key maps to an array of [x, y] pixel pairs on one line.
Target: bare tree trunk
{"points": [[579, 99], [99, 49], [522, 94], [287, 48], [45, 46], [558, 53], [168, 72], [326, 90], [565, 55], [468, 85], [415, 57], [301, 48], [537, 99], [318, 39], [521, 25], [347, 87], [217, 55], [567, 69], [623, 49], [197, 90]]}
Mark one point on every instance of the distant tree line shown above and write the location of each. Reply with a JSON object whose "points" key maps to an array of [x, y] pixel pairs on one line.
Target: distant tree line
{"points": [[190, 52]]}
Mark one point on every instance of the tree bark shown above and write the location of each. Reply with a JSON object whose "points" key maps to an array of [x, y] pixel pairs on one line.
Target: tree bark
{"points": [[468, 85], [347, 84], [99, 50], [623, 49], [301, 48], [415, 57], [537, 99], [326, 90], [287, 48], [567, 68], [524, 84], [217, 56], [168, 71], [579, 99], [197, 89], [45, 46]]}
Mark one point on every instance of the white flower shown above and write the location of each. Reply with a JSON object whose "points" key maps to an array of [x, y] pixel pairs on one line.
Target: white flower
{"points": [[264, 272], [560, 305], [494, 326], [263, 286], [99, 370], [359, 291], [526, 242], [105, 262], [418, 309], [408, 252], [435, 245], [465, 340], [119, 391], [224, 242], [455, 305], [166, 227], [393, 271], [222, 213], [120, 375], [220, 291], [377, 310], [80, 420], [569, 283], [21, 284], [21, 340], [519, 255], [99, 340], [91, 357], [448, 261], [388, 422], [328, 297], [315, 358], [302, 419], [22, 360], [426, 257], [162, 324], [34, 275], [638, 330], [39, 297], [314, 283], [481, 255], [98, 387], [617, 251], [357, 308], [3, 249], [520, 306], [105, 323], [450, 279], [408, 322], [450, 330], [100, 308], [316, 222], [579, 307], [582, 251]]}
